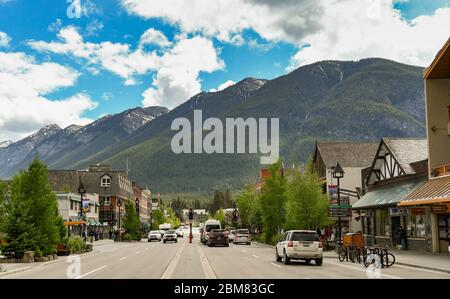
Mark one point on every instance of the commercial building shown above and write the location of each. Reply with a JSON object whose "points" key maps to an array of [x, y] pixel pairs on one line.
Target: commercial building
{"points": [[398, 168], [432, 200]]}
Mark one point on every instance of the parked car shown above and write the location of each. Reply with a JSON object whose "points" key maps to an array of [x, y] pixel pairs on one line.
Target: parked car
{"points": [[154, 235], [218, 237], [299, 245], [209, 225], [170, 235], [242, 236], [180, 233]]}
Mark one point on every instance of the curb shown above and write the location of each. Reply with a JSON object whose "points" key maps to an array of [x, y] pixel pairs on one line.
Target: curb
{"points": [[447, 271], [15, 271]]}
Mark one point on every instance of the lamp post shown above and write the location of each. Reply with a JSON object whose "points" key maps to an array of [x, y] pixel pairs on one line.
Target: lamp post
{"points": [[81, 191], [338, 173], [235, 214], [119, 204]]}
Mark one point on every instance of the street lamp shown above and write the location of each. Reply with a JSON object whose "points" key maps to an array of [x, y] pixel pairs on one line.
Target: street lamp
{"points": [[338, 173], [81, 191], [235, 215], [119, 204]]}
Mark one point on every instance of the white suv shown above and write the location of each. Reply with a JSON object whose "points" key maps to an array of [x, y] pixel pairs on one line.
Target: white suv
{"points": [[300, 245]]}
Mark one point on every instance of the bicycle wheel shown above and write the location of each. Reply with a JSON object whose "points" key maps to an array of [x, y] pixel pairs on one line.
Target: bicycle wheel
{"points": [[341, 254], [390, 260]]}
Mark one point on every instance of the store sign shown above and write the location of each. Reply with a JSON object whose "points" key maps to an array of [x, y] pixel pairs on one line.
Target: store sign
{"points": [[395, 212], [440, 209], [418, 211]]}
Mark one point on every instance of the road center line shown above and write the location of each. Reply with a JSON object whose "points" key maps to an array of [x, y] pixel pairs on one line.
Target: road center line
{"points": [[81, 276], [255, 256], [137, 252], [173, 264], [207, 269], [123, 258], [278, 266]]}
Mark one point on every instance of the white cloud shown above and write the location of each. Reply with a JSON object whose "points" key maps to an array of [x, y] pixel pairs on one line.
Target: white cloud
{"points": [[94, 27], [223, 86], [177, 68], [375, 29], [106, 96], [23, 86], [336, 29], [154, 37], [4, 39], [177, 78], [115, 57], [55, 26]]}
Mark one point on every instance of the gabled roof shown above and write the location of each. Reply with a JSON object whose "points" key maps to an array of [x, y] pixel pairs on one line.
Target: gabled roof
{"points": [[407, 151], [440, 67], [348, 154]]}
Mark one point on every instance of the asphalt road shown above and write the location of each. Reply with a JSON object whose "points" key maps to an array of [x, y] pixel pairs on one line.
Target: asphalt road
{"points": [[142, 260]]}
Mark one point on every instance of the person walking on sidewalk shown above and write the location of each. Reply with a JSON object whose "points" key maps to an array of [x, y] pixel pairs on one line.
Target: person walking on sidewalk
{"points": [[403, 239]]}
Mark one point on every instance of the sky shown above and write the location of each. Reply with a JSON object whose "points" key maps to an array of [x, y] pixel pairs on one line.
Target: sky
{"points": [[73, 61]]}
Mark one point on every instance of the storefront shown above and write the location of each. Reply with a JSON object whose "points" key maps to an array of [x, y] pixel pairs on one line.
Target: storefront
{"points": [[430, 206], [382, 218]]}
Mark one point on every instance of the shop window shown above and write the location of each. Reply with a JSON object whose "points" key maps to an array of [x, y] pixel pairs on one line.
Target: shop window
{"points": [[382, 222], [71, 205], [419, 226]]}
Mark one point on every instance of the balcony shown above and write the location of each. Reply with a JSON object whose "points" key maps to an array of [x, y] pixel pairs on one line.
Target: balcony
{"points": [[441, 171]]}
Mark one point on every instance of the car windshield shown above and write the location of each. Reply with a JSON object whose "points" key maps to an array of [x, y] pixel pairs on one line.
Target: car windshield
{"points": [[170, 232], [212, 226], [243, 231], [304, 236], [154, 232]]}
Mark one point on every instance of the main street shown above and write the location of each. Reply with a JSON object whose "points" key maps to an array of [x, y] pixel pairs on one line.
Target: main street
{"points": [[144, 260]]}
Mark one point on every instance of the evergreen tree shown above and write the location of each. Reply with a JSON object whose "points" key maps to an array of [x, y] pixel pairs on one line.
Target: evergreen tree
{"points": [[131, 222], [33, 222]]}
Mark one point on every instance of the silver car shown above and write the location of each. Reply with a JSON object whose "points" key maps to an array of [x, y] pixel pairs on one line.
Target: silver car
{"points": [[242, 236], [170, 235], [300, 245], [154, 235]]}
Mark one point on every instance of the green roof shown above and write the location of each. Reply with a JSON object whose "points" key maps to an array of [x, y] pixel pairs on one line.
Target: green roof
{"points": [[389, 195]]}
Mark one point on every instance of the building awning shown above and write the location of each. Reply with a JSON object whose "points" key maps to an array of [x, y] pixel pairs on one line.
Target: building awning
{"points": [[435, 190], [389, 195]]}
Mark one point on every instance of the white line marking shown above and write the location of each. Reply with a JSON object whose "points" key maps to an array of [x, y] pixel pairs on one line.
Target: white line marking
{"points": [[363, 270], [255, 256], [207, 269], [137, 252], [244, 251], [278, 266], [173, 264], [91, 272], [123, 258]]}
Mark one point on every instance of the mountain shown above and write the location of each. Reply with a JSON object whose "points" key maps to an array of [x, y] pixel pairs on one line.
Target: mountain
{"points": [[5, 143], [53, 144], [329, 100]]}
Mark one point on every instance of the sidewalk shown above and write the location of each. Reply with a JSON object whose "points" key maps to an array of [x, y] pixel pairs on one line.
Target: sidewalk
{"points": [[437, 262]]}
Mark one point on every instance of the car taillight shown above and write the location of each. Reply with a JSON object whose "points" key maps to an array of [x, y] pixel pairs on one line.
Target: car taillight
{"points": [[290, 244]]}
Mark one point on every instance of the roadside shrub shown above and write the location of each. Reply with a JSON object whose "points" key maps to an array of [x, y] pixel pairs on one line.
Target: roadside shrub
{"points": [[76, 245], [38, 252], [277, 238], [127, 237]]}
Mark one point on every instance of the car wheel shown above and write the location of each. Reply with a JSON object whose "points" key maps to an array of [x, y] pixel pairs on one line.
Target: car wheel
{"points": [[227, 245], [164, 241], [249, 243], [176, 241], [277, 257], [319, 262], [149, 240], [209, 245], [286, 259]]}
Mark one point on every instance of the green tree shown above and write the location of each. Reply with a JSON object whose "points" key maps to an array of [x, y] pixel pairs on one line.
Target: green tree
{"points": [[158, 219], [3, 206], [247, 206], [306, 206], [33, 222], [272, 202], [131, 222]]}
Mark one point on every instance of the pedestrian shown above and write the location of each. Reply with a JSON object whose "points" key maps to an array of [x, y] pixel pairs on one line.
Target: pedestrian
{"points": [[403, 240], [110, 235], [91, 235]]}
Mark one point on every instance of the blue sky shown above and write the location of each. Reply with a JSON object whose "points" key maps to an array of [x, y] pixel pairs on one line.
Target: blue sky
{"points": [[234, 46]]}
